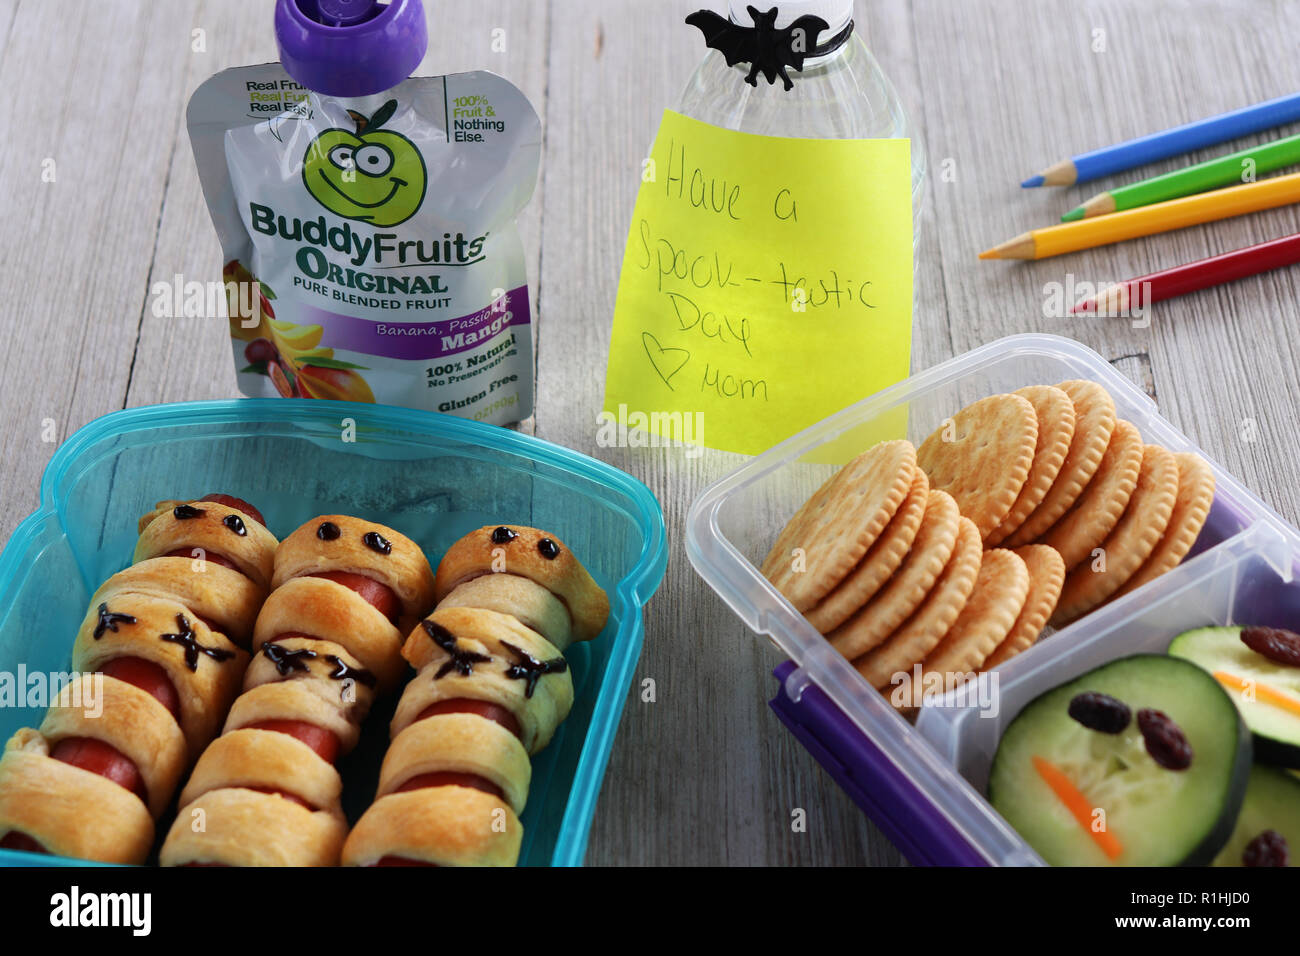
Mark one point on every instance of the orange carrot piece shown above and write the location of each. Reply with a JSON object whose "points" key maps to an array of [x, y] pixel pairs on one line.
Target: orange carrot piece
{"points": [[1263, 692], [1078, 805]]}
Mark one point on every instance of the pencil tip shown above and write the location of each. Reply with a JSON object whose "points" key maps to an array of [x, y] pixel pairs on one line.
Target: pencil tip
{"points": [[1086, 305], [1074, 215], [990, 254], [1032, 182]]}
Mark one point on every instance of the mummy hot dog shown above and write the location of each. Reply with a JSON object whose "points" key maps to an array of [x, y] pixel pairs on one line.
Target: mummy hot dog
{"points": [[168, 635], [490, 690], [326, 641]]}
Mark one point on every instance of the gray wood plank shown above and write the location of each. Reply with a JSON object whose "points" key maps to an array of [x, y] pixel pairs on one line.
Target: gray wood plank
{"points": [[85, 175]]}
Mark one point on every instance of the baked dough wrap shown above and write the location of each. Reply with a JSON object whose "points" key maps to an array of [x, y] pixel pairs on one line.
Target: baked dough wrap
{"points": [[248, 828], [215, 528], [446, 826], [531, 604], [226, 599], [459, 743], [323, 667], [328, 611], [479, 633], [255, 759], [128, 719], [534, 554], [205, 689], [404, 569], [293, 700], [69, 811]]}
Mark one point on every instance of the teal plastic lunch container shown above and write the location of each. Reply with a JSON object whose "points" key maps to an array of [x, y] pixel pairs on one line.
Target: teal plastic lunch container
{"points": [[432, 477]]}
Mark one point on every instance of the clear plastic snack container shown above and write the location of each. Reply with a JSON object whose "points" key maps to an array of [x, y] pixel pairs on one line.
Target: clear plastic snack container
{"points": [[923, 784], [432, 477]]}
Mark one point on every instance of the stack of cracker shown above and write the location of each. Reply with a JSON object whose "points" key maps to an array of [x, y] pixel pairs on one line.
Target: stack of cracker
{"points": [[1021, 510]]}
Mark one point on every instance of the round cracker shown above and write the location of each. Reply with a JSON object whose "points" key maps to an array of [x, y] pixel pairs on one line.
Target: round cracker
{"points": [[1195, 498], [1085, 526], [1046, 578], [1128, 546], [878, 564], [1094, 421], [1001, 590], [981, 457], [894, 603], [1055, 413], [926, 627], [839, 522]]}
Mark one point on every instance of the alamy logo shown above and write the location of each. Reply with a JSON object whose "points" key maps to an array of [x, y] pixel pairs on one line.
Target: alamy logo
{"points": [[75, 908], [373, 175]]}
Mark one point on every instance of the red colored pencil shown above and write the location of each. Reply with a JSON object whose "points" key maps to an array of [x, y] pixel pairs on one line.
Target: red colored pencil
{"points": [[1194, 276]]}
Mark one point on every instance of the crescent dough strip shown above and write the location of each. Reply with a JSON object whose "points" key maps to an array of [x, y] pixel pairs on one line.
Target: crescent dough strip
{"points": [[404, 568], [225, 598], [329, 611], [459, 743], [483, 634], [446, 826], [240, 827], [322, 667], [292, 700], [533, 554], [213, 527], [534, 606], [206, 684], [69, 811], [128, 719], [265, 758]]}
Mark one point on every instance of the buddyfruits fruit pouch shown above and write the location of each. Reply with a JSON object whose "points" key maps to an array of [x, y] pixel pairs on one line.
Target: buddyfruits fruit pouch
{"points": [[370, 244]]}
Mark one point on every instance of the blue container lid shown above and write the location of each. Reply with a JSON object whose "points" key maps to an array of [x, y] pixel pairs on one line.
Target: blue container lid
{"points": [[350, 47]]}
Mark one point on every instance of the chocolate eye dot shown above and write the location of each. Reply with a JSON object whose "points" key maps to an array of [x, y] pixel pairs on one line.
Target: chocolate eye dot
{"points": [[548, 549], [185, 512], [376, 542], [235, 524], [328, 531], [503, 536]]}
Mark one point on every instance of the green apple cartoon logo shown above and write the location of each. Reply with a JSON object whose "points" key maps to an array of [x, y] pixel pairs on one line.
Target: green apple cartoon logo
{"points": [[374, 175]]}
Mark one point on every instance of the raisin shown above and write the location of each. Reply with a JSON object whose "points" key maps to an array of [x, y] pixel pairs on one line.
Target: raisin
{"points": [[1165, 740], [1279, 646], [1100, 712], [1267, 849]]}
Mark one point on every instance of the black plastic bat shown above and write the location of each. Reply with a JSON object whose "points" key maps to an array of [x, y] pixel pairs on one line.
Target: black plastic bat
{"points": [[768, 50]]}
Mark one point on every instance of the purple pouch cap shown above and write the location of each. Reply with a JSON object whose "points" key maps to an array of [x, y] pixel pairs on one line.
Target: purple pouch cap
{"points": [[350, 47]]}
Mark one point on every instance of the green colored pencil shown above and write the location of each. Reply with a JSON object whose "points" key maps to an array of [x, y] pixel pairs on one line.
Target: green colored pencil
{"points": [[1225, 171]]}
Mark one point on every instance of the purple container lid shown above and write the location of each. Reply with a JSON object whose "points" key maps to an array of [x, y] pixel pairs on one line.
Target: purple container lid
{"points": [[350, 47]]}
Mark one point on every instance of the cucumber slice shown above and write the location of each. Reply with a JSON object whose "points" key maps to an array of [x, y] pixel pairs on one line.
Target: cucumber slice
{"points": [[1154, 816], [1276, 729], [1272, 803]]}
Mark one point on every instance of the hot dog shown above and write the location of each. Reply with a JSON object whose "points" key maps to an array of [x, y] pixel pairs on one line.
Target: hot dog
{"points": [[491, 686], [153, 642], [323, 645]]}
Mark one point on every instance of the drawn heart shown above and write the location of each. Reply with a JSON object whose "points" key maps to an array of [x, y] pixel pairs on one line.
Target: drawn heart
{"points": [[666, 362]]}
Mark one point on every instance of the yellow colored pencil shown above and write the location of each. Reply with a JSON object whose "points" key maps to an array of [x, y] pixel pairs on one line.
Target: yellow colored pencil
{"points": [[1149, 220]]}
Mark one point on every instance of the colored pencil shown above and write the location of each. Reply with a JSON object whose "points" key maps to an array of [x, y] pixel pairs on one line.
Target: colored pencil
{"points": [[1194, 276], [1149, 220], [1170, 142], [1213, 174]]}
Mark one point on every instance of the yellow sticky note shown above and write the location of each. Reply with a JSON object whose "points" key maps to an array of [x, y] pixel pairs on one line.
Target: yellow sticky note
{"points": [[767, 283]]}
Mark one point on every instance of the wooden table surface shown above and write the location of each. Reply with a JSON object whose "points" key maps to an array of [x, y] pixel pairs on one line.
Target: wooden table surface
{"points": [[99, 200]]}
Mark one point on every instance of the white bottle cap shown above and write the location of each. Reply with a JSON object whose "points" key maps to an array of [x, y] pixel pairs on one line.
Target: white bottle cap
{"points": [[837, 13]]}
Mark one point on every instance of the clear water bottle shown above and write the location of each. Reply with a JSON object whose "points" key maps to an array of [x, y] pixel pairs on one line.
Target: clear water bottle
{"points": [[842, 94]]}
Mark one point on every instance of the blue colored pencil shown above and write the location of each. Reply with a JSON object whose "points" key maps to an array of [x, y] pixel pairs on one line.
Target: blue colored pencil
{"points": [[1171, 142]]}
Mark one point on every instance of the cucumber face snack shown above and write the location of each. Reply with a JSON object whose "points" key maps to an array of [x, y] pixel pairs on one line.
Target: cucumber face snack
{"points": [[1162, 790], [1268, 827], [1264, 686]]}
